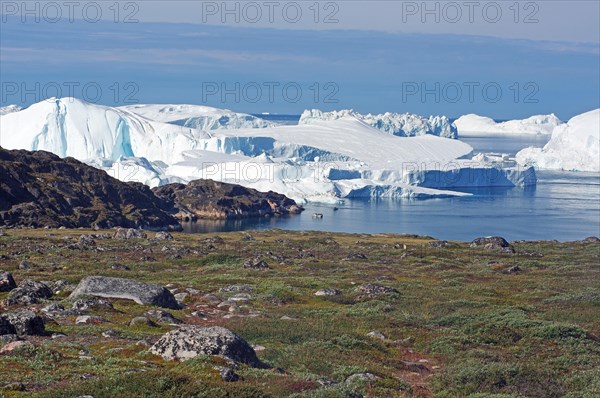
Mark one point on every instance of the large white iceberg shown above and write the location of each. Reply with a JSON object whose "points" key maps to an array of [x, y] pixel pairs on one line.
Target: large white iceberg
{"points": [[574, 146], [400, 124], [198, 116], [323, 160], [71, 127], [5, 110], [475, 125]]}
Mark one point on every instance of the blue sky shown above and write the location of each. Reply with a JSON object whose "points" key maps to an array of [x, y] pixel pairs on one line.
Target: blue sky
{"points": [[270, 68]]}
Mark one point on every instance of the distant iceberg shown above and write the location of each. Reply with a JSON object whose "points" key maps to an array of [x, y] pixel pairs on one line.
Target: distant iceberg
{"points": [[327, 157], [400, 124], [198, 117], [574, 146], [476, 125]]}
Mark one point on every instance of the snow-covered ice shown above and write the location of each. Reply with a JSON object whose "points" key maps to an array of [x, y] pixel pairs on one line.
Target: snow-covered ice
{"points": [[574, 146], [475, 125], [400, 124], [198, 117], [5, 110], [323, 159]]}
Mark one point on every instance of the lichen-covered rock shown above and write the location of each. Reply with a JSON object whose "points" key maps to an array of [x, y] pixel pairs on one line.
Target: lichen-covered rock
{"points": [[28, 292], [191, 341], [163, 236], [372, 290], [7, 283], [490, 242], [25, 323], [141, 293], [129, 233], [257, 264], [328, 292]]}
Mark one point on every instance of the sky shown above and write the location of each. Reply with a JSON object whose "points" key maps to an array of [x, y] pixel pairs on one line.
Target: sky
{"points": [[501, 59]]}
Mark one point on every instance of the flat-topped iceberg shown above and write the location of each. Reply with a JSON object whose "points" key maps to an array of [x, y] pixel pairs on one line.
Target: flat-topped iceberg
{"points": [[574, 146], [323, 159], [198, 117], [400, 124], [475, 125]]}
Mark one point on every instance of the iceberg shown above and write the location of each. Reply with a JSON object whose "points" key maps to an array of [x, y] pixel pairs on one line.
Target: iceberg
{"points": [[5, 110], [400, 124], [475, 125], [71, 127], [198, 117], [323, 159], [574, 146]]}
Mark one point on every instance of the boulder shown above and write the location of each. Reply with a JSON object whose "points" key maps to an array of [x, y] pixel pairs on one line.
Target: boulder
{"points": [[141, 293], [91, 303], [190, 341], [7, 283], [129, 233], [256, 263], [490, 242], [372, 290], [328, 292], [25, 323], [163, 236], [28, 292]]}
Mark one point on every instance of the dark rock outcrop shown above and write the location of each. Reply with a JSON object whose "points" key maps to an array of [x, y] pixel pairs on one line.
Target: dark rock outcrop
{"points": [[23, 323], [490, 242], [39, 189], [7, 283], [190, 341], [207, 199], [28, 292], [141, 293]]}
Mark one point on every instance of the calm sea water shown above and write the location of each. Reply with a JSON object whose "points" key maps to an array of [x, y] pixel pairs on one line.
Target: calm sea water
{"points": [[563, 206]]}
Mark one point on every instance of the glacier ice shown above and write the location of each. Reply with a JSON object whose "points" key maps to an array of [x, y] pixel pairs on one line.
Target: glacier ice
{"points": [[574, 146], [480, 125], [400, 124], [324, 158], [198, 117], [5, 110]]}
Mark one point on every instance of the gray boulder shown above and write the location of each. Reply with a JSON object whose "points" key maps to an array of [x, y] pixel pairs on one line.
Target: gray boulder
{"points": [[141, 293], [7, 283], [24, 323], [130, 233], [490, 242], [28, 292], [162, 235], [373, 290], [190, 341]]}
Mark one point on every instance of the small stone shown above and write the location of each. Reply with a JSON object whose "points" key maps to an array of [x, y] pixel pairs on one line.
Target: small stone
{"points": [[141, 320], [163, 236], [109, 334], [256, 264], [376, 334], [7, 283], [14, 345], [88, 319], [120, 267], [236, 288], [180, 297], [240, 297], [25, 265], [58, 336], [227, 374], [328, 292], [14, 387]]}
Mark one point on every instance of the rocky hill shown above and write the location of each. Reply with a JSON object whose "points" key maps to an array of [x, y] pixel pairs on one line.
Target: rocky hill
{"points": [[39, 189], [209, 199]]}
